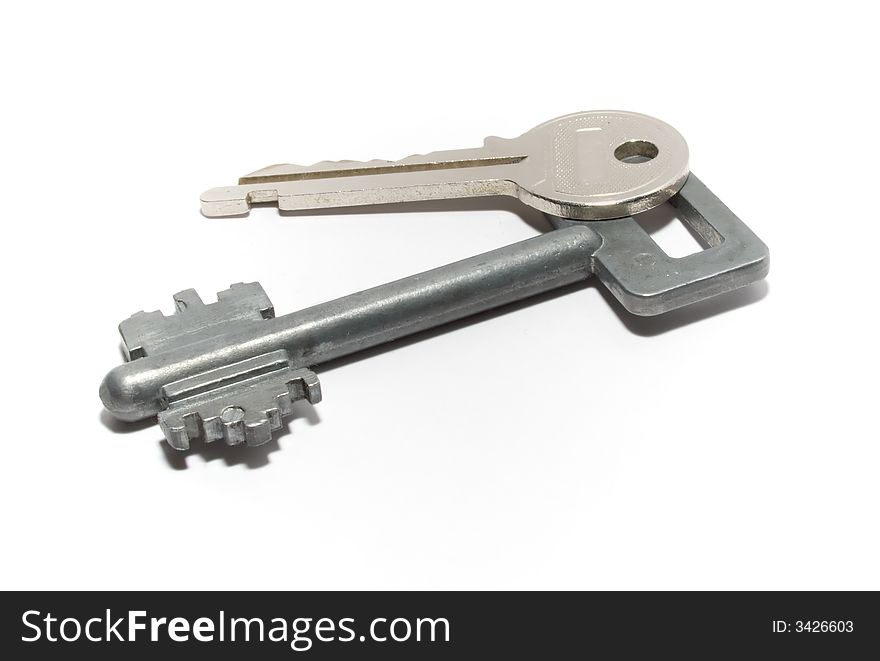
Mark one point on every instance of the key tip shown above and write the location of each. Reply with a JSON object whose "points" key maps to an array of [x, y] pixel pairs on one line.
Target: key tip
{"points": [[224, 202]]}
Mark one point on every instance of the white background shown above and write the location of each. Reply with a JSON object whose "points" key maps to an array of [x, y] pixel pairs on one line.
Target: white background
{"points": [[563, 444]]}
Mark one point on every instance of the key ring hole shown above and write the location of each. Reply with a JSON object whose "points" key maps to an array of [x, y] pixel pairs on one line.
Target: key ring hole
{"points": [[636, 151]]}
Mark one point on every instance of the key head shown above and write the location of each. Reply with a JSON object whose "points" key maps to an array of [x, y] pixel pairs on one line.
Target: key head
{"points": [[601, 164]]}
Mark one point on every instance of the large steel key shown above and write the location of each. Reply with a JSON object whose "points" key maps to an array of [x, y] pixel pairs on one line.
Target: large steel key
{"points": [[586, 166]]}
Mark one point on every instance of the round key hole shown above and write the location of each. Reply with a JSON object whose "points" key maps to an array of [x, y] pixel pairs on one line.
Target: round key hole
{"points": [[636, 151]]}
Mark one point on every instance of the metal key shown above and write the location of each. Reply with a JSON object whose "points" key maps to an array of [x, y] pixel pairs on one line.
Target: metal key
{"points": [[230, 370], [578, 166]]}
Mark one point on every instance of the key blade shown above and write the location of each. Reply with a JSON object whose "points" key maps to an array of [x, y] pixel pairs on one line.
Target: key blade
{"points": [[329, 184]]}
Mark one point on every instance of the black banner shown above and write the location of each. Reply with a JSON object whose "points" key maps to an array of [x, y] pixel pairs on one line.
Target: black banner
{"points": [[291, 625]]}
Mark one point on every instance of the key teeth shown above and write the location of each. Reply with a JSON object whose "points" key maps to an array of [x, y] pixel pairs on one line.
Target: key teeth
{"points": [[188, 299], [251, 292], [239, 306], [254, 429], [175, 434], [248, 417], [306, 386]]}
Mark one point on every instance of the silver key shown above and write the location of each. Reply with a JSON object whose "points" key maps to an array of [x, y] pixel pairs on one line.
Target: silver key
{"points": [[585, 166]]}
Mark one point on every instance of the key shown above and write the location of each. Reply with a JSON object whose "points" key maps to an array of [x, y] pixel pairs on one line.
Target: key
{"points": [[231, 370], [586, 166]]}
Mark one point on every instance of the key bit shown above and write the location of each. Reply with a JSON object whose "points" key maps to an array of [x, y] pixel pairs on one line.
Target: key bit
{"points": [[148, 333], [230, 370], [240, 403]]}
